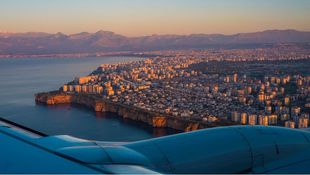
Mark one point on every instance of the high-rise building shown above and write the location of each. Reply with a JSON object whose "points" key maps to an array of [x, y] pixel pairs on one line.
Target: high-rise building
{"points": [[299, 82], [84, 80], [268, 109], [263, 120], [295, 110], [70, 88], [284, 117], [227, 79], [303, 122], [65, 88], [90, 89], [215, 88], [272, 119], [243, 118], [235, 78], [272, 79], [84, 88], [261, 96], [286, 100], [252, 119], [282, 90], [249, 90], [77, 88], [290, 124], [235, 116]]}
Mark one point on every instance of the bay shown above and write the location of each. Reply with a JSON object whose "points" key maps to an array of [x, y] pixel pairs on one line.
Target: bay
{"points": [[21, 78]]}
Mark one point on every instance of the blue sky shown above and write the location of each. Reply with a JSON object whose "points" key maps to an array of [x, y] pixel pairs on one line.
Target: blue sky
{"points": [[144, 17]]}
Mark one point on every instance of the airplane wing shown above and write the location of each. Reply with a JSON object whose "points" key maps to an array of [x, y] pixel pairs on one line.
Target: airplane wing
{"points": [[23, 150], [235, 149]]}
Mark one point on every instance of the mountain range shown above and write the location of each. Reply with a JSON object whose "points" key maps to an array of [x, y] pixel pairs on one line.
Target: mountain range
{"points": [[104, 41]]}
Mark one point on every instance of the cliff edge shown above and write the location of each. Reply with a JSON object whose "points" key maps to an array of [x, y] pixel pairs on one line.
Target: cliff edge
{"points": [[101, 105]]}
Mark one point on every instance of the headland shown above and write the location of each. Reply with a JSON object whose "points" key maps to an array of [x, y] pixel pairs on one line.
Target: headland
{"points": [[98, 104]]}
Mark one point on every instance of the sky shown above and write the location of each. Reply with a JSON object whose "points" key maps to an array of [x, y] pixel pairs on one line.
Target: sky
{"points": [[147, 17]]}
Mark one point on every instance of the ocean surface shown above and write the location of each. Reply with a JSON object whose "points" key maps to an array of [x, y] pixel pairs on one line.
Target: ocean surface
{"points": [[21, 78]]}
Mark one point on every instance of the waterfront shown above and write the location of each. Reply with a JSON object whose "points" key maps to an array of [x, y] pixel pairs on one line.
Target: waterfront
{"points": [[199, 89], [22, 78]]}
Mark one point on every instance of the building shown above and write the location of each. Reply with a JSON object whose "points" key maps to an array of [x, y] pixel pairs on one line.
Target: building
{"points": [[286, 100], [84, 80], [290, 124], [65, 88], [243, 118], [70, 88], [235, 78], [252, 119], [261, 96], [284, 117], [303, 122], [227, 79], [268, 109], [295, 110], [249, 90], [263, 120], [235, 116], [84, 89], [272, 119], [77, 88]]}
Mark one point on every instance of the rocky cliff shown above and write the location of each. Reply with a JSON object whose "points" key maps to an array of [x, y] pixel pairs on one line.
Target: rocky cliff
{"points": [[100, 105]]}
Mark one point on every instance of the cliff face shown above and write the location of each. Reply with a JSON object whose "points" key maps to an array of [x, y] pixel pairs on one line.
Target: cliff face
{"points": [[53, 98], [60, 99], [100, 105]]}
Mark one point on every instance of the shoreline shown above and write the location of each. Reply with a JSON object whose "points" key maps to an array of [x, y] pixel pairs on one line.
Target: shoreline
{"points": [[128, 112], [77, 55]]}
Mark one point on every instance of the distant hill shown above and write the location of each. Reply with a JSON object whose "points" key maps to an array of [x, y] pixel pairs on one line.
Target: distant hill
{"points": [[103, 41]]}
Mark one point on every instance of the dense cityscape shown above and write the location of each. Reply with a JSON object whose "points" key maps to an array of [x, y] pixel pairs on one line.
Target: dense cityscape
{"points": [[266, 86]]}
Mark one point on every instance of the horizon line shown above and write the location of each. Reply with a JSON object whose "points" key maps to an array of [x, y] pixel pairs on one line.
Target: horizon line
{"points": [[68, 34]]}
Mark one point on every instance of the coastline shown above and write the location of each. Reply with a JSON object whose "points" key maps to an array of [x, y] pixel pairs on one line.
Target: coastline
{"points": [[98, 104], [78, 55]]}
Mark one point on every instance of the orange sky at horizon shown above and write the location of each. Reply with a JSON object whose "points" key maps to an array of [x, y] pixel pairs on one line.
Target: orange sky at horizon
{"points": [[146, 17]]}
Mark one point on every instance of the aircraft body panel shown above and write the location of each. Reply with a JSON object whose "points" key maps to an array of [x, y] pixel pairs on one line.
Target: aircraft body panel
{"points": [[18, 156], [235, 149]]}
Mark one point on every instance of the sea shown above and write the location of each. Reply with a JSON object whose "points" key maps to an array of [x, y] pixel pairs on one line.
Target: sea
{"points": [[21, 78]]}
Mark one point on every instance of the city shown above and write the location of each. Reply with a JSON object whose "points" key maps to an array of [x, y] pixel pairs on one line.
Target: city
{"points": [[249, 87]]}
